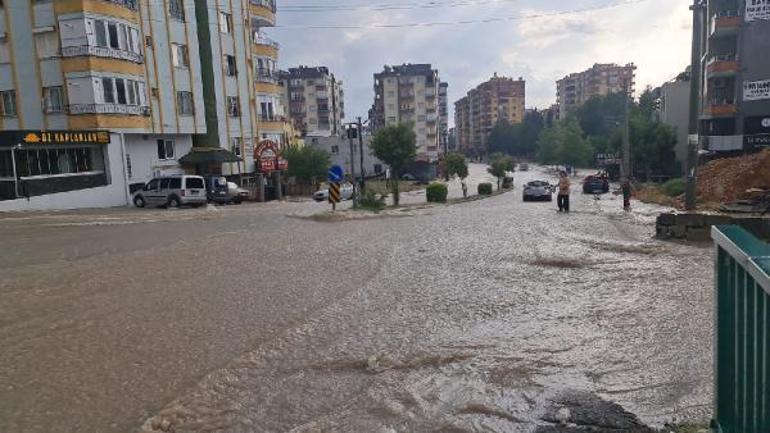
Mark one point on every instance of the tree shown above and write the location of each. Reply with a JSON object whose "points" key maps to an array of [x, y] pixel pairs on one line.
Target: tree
{"points": [[499, 166], [457, 165], [574, 149], [395, 146], [548, 145], [307, 164], [501, 138]]}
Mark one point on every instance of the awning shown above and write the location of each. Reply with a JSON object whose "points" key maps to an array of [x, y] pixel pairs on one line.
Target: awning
{"points": [[208, 155]]}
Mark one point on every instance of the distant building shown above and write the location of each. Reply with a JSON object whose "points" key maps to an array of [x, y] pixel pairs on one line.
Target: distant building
{"points": [[443, 114], [409, 94], [675, 111], [315, 100], [476, 114], [600, 80], [339, 150], [735, 99]]}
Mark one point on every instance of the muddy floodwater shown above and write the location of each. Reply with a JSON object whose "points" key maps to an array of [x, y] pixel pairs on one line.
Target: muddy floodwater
{"points": [[489, 316]]}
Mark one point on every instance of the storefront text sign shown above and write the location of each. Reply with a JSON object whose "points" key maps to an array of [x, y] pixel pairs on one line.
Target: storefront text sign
{"points": [[756, 90], [757, 10]]}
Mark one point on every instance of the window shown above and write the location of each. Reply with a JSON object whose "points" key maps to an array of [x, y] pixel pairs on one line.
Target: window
{"points": [[120, 86], [267, 110], [112, 32], [101, 33], [225, 22], [132, 96], [176, 9], [175, 183], [56, 161], [47, 45], [179, 56], [184, 103], [378, 168], [194, 183], [235, 146], [53, 99], [152, 185], [165, 149], [8, 103], [231, 69], [233, 106], [335, 150], [164, 183], [109, 93]]}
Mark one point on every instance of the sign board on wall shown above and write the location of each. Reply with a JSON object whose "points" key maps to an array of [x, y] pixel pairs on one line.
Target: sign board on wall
{"points": [[757, 10], [756, 90]]}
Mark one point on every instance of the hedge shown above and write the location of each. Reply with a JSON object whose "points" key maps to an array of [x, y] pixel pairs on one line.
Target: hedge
{"points": [[436, 192]]}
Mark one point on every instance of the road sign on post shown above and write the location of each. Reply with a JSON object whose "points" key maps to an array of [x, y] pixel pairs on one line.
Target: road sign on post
{"points": [[334, 194], [336, 174]]}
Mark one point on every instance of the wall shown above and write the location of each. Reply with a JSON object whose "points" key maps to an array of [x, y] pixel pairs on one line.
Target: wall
{"points": [[142, 150], [342, 158], [675, 111]]}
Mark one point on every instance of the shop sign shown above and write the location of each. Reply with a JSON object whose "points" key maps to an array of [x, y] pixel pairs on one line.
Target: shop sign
{"points": [[268, 157], [756, 90], [757, 10], [756, 131], [56, 137]]}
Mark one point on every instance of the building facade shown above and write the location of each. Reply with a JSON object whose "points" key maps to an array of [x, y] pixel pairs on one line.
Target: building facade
{"points": [[498, 99], [443, 115], [314, 99], [408, 94], [339, 150], [600, 80], [152, 78], [735, 93], [675, 111]]}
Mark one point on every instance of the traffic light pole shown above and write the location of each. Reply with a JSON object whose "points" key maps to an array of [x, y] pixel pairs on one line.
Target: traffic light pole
{"points": [[361, 152]]}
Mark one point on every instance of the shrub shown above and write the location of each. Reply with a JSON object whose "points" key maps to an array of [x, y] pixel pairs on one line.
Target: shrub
{"points": [[485, 188], [372, 201], [436, 192], [674, 187], [507, 182]]}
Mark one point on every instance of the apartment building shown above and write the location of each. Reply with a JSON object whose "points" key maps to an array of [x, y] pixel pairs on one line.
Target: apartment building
{"points": [[674, 110], [315, 100], [443, 115], [408, 94], [735, 92], [498, 99], [600, 80], [98, 96]]}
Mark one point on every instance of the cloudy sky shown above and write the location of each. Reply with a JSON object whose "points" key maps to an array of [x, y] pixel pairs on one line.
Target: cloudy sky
{"points": [[539, 40]]}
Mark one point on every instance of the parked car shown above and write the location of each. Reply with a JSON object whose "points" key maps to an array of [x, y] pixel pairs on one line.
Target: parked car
{"points": [[346, 192], [523, 166], [596, 185], [220, 191], [538, 190], [238, 195], [172, 191]]}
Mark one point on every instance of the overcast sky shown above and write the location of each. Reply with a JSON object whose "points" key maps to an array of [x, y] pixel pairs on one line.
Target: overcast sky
{"points": [[546, 40]]}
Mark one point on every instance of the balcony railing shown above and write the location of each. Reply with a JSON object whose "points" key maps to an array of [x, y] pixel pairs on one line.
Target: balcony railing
{"points": [[262, 40], [131, 110], [725, 23], [270, 4], [722, 65], [112, 53], [721, 107], [266, 75], [130, 4], [271, 118]]}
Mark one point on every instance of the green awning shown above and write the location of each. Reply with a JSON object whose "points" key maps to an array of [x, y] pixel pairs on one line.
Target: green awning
{"points": [[208, 155]]}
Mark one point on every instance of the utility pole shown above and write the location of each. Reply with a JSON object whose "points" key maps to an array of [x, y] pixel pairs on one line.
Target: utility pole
{"points": [[693, 139], [625, 169], [351, 135], [361, 152]]}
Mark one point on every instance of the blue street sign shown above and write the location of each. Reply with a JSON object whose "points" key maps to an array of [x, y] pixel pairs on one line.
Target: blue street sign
{"points": [[336, 174]]}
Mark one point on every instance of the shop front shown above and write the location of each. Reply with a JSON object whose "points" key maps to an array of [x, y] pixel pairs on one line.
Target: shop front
{"points": [[57, 169], [756, 133], [270, 166]]}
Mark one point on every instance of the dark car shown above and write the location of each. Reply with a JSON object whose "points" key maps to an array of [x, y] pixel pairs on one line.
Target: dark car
{"points": [[216, 189], [596, 185]]}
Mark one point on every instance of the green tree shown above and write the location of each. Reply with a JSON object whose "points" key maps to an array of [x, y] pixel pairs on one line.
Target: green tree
{"points": [[548, 145], [501, 138], [574, 149], [395, 146], [457, 165], [499, 166], [307, 163]]}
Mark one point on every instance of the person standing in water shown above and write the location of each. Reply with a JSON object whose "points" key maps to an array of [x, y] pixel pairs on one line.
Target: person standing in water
{"points": [[563, 198], [626, 189]]}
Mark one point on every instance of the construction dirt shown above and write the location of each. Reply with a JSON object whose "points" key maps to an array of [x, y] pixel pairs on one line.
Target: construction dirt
{"points": [[727, 180]]}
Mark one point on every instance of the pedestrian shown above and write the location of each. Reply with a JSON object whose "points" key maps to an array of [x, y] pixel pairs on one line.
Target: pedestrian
{"points": [[563, 198], [626, 188], [465, 189]]}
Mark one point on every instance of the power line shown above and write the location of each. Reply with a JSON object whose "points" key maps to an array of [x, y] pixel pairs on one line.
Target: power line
{"points": [[462, 22], [390, 6]]}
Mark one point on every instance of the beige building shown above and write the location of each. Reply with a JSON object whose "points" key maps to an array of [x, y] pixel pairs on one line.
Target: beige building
{"points": [[314, 99], [499, 99], [600, 80], [409, 94]]}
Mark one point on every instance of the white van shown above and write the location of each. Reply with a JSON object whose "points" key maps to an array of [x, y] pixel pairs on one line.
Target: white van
{"points": [[172, 191]]}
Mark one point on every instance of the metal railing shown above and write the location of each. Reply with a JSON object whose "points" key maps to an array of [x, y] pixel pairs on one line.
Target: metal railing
{"points": [[261, 40], [722, 58], [266, 75], [742, 332], [130, 4], [270, 4], [131, 110], [90, 50]]}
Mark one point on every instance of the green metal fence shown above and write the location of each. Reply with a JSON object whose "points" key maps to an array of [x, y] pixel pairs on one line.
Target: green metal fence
{"points": [[742, 332]]}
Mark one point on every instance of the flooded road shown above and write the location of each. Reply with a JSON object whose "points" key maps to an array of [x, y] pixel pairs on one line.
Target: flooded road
{"points": [[488, 316]]}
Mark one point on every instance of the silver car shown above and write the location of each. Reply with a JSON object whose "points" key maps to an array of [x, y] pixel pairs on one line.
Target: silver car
{"points": [[172, 191], [346, 192], [538, 190]]}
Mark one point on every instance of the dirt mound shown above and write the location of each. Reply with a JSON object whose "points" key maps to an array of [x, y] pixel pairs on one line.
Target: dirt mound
{"points": [[726, 180]]}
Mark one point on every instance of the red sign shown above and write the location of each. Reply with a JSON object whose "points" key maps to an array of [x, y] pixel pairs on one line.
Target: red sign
{"points": [[268, 157]]}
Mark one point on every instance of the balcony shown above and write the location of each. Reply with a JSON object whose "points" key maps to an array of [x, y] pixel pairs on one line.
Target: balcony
{"points": [[265, 46], [106, 52], [725, 23], [130, 110], [264, 75], [268, 4], [725, 143], [722, 66], [262, 13], [721, 108]]}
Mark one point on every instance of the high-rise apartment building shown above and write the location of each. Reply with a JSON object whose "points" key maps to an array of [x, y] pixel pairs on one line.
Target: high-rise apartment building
{"points": [[408, 94], [314, 99], [99, 96], [443, 114], [498, 99], [600, 80], [735, 92]]}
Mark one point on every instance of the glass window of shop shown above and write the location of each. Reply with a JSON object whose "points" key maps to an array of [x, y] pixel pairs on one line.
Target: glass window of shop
{"points": [[59, 161]]}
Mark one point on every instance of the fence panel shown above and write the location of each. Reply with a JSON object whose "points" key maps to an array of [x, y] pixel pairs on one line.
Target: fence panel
{"points": [[742, 333]]}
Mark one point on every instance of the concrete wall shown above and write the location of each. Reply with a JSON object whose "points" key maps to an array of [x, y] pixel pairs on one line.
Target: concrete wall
{"points": [[142, 151], [342, 156], [675, 111]]}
